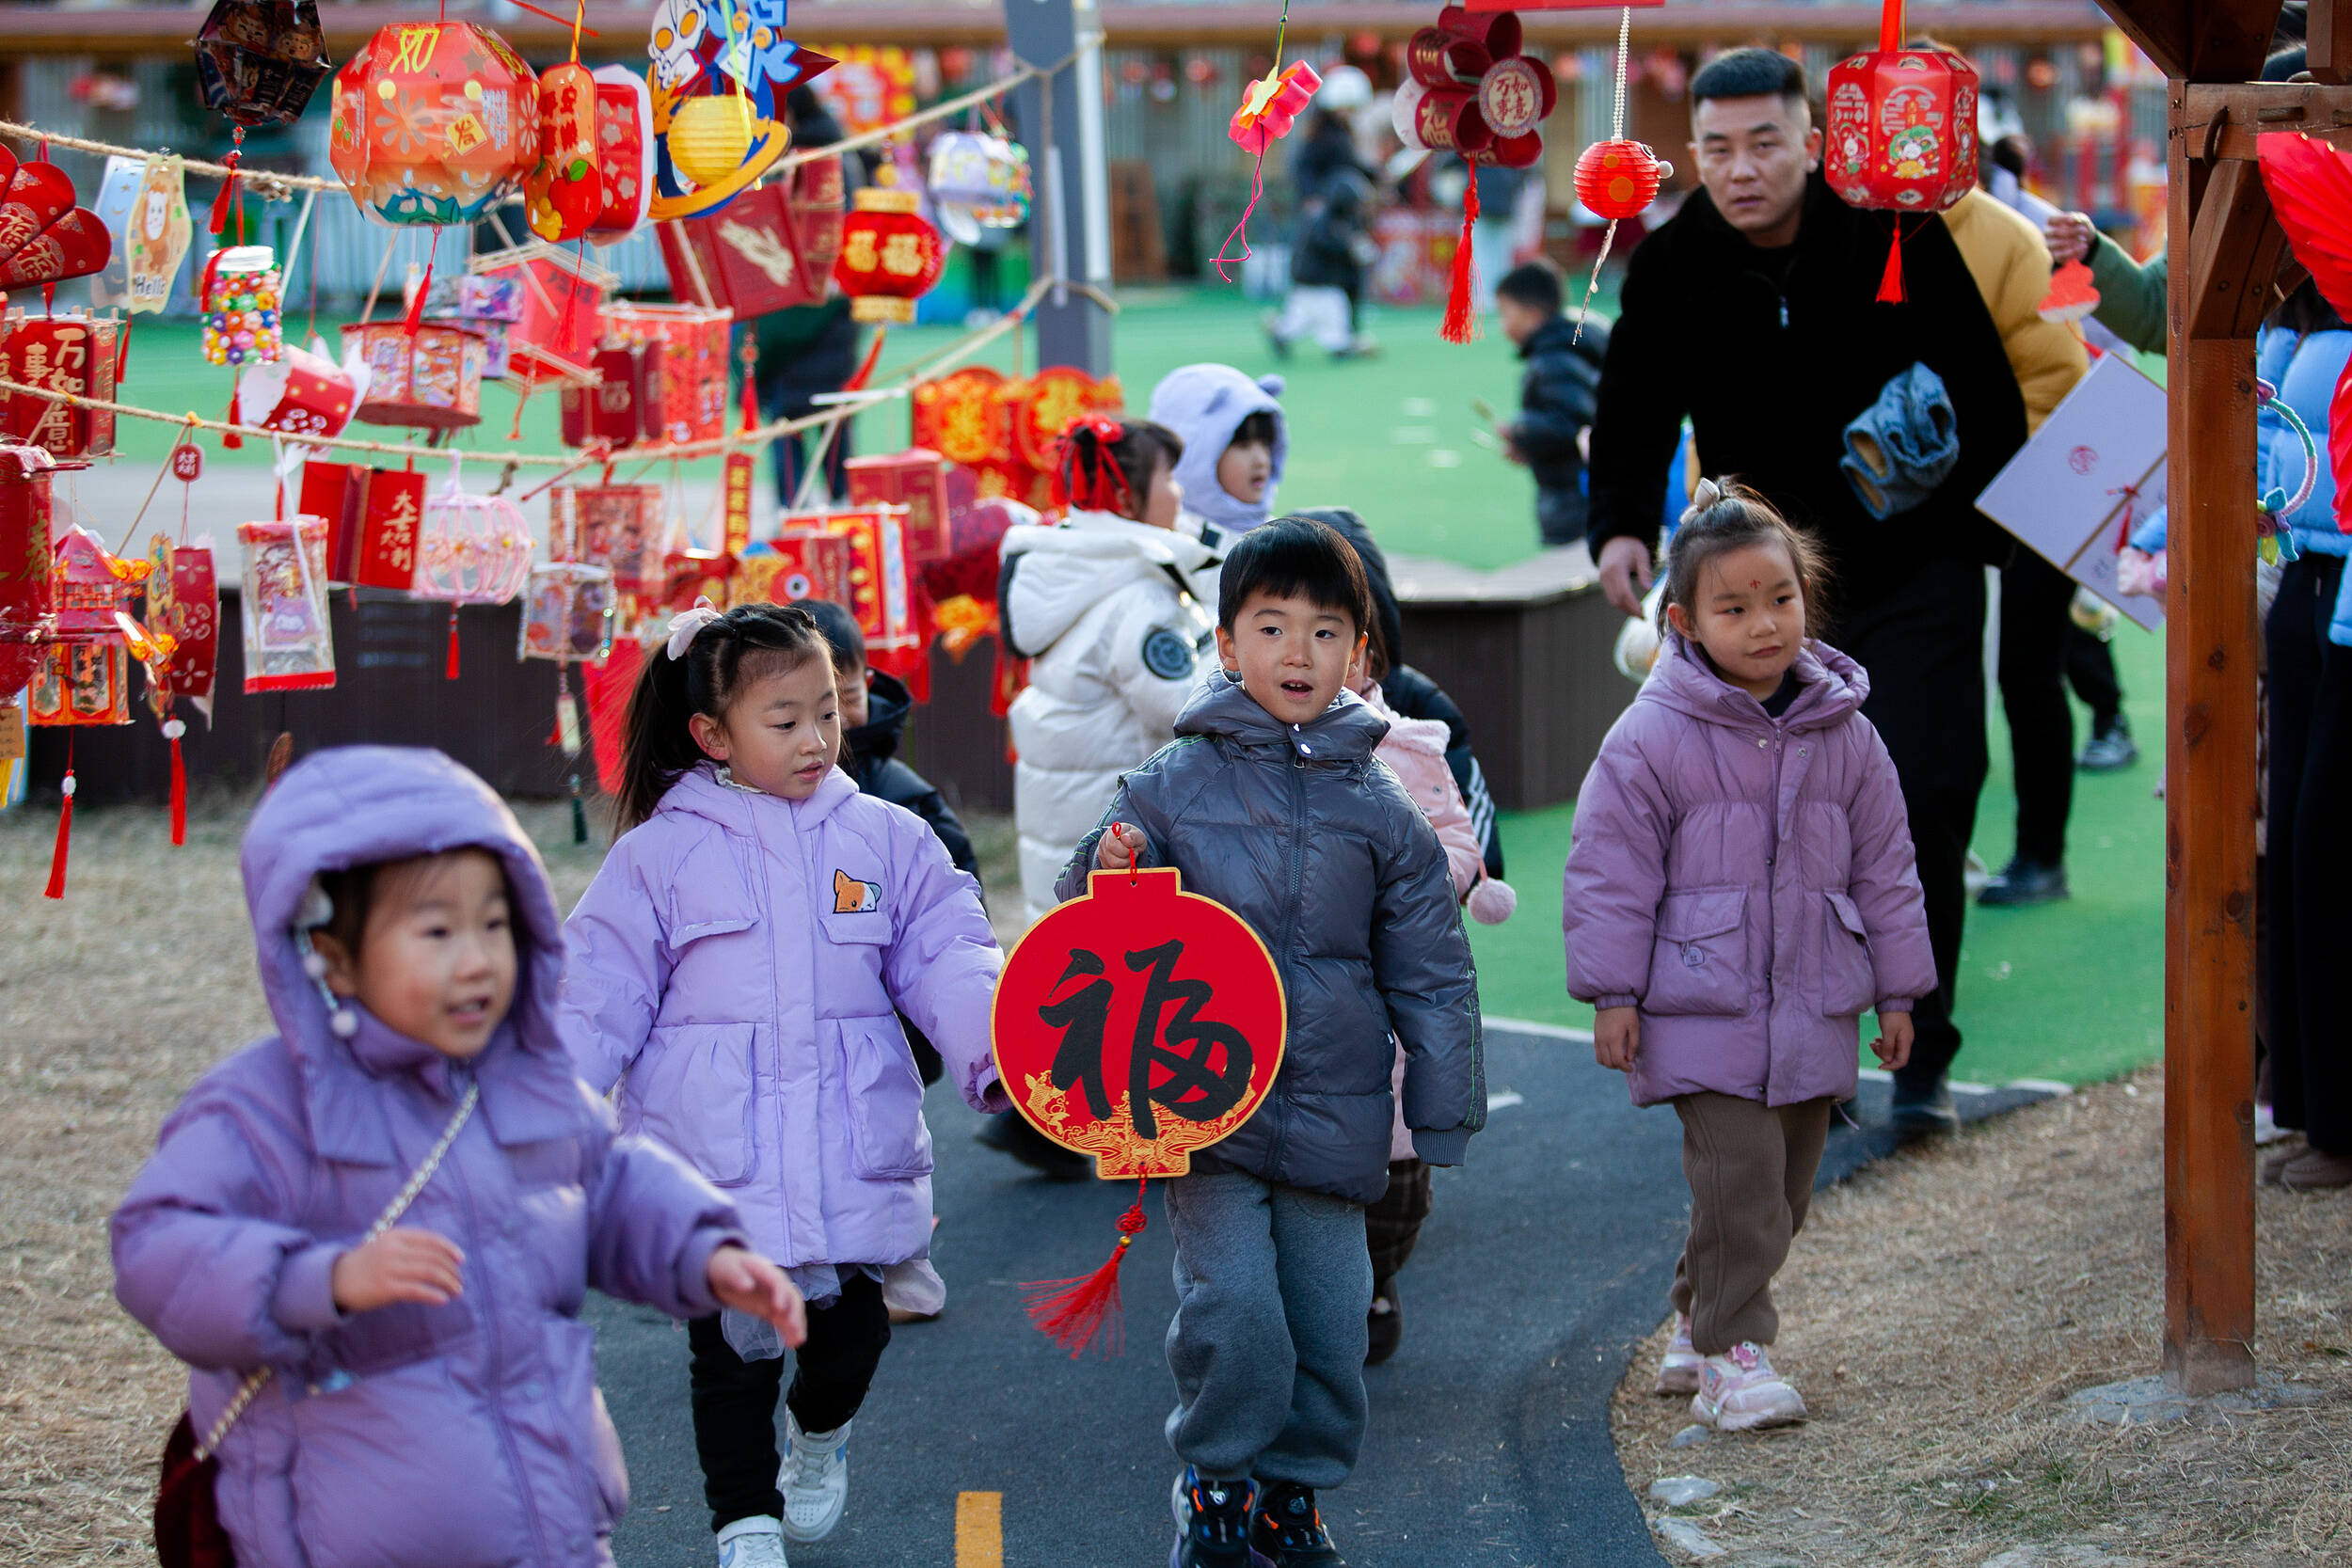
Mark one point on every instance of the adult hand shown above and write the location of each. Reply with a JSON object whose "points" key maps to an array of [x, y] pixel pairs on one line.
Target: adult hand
{"points": [[750, 1284], [403, 1264], [1893, 1042], [1626, 567], [2070, 237], [1617, 1036], [1120, 847]]}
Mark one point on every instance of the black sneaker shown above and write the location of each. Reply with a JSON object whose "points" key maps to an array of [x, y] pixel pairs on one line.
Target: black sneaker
{"points": [[1008, 1134], [1384, 1325], [1213, 1524], [1287, 1529], [1923, 1110], [2110, 751], [2023, 882]]}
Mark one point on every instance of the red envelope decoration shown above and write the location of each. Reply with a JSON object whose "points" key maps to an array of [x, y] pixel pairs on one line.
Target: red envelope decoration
{"points": [[39, 195], [75, 245]]}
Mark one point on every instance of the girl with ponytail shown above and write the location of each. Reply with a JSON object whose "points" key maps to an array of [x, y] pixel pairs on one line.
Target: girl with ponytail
{"points": [[742, 961]]}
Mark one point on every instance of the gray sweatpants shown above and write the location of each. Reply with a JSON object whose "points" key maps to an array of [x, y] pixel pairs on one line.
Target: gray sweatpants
{"points": [[1267, 1344]]}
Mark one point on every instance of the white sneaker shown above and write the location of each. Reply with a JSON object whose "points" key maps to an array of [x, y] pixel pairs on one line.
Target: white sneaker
{"points": [[756, 1543], [1738, 1391], [815, 1480], [2267, 1128], [1678, 1368]]}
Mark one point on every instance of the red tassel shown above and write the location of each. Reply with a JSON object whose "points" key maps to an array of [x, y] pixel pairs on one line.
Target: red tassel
{"points": [[1891, 282], [175, 728], [227, 197], [229, 439], [452, 642], [65, 841], [1460, 324], [866, 368], [1075, 1313], [416, 301], [122, 350]]}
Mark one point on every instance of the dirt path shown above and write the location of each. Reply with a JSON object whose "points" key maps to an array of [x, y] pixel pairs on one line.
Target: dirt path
{"points": [[1940, 1308]]}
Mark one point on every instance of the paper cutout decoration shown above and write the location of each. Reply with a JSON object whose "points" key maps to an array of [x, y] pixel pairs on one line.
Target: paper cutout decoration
{"points": [[567, 613], [1902, 136], [259, 61], [435, 122], [1269, 108], [37, 195], [158, 230], [302, 393], [28, 588], [890, 257], [773, 247], [74, 246], [1138, 1024], [85, 678], [428, 376], [374, 520], [624, 154], [74, 354], [241, 298], [979, 181], [289, 645], [563, 193], [718, 83], [617, 527]]}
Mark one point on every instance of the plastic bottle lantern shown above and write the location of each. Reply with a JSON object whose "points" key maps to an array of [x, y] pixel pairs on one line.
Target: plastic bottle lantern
{"points": [[978, 182], [435, 122], [240, 298], [259, 61], [1901, 133], [889, 256]]}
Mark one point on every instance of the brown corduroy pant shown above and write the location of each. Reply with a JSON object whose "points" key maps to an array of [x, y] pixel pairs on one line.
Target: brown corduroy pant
{"points": [[1750, 1169]]}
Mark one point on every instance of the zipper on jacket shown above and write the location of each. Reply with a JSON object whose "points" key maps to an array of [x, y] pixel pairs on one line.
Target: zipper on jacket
{"points": [[1290, 939]]}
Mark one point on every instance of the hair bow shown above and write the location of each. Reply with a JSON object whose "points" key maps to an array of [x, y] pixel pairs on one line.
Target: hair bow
{"points": [[686, 624], [1705, 494], [1090, 477]]}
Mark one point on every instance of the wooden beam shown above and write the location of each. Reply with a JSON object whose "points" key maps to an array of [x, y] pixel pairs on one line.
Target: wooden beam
{"points": [[2246, 111], [2209, 800], [2160, 27], [2329, 41], [2233, 255]]}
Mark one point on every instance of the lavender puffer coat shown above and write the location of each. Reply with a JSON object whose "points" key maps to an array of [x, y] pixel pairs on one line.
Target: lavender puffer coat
{"points": [[1746, 881], [463, 1435], [743, 960]]}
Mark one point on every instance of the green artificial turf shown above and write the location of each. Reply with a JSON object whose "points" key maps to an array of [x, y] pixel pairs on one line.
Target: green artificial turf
{"points": [[2073, 991]]}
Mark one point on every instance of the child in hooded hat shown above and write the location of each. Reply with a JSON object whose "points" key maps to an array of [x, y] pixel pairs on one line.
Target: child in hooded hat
{"points": [[1235, 444]]}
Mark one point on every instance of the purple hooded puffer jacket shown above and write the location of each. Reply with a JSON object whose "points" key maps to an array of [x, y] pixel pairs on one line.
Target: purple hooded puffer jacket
{"points": [[743, 960], [1746, 881], [463, 1435]]}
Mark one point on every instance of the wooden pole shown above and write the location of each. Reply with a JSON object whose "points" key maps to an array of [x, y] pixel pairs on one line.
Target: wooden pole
{"points": [[2210, 633]]}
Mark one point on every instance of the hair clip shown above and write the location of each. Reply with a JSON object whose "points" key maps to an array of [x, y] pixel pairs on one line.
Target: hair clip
{"points": [[1704, 495], [686, 624]]}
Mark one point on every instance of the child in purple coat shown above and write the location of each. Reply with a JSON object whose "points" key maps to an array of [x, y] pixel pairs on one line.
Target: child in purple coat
{"points": [[1739, 891], [431, 1393], [741, 963]]}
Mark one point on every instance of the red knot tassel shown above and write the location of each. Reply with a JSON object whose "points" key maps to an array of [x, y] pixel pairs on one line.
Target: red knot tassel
{"points": [[1891, 282], [174, 729], [416, 301], [1461, 322], [452, 642], [227, 197], [65, 839], [1075, 1313]]}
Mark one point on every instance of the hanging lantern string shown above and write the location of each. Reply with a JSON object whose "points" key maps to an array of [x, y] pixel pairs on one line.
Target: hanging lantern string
{"points": [[1616, 132], [1257, 169]]}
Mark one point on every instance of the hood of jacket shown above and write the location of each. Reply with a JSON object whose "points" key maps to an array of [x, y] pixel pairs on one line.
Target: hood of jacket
{"points": [[1831, 687], [887, 705], [1347, 731], [1205, 404], [365, 805], [1054, 574], [1384, 610]]}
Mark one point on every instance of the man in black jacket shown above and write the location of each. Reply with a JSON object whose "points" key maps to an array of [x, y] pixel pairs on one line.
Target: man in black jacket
{"points": [[1753, 312], [1558, 395]]}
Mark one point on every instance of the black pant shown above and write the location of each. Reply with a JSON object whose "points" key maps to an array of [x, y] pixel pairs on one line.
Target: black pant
{"points": [[2310, 852], [1923, 645], [735, 1399], [2091, 671], [1393, 1225], [2035, 598]]}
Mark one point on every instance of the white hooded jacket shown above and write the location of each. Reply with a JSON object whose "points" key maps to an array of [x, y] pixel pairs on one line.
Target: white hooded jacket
{"points": [[1102, 608]]}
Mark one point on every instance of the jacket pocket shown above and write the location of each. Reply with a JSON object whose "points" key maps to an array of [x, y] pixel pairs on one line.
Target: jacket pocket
{"points": [[1849, 983], [1698, 964], [888, 1139], [694, 1090]]}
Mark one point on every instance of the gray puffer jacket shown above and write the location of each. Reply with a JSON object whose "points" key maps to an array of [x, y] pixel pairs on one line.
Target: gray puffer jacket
{"points": [[1303, 833]]}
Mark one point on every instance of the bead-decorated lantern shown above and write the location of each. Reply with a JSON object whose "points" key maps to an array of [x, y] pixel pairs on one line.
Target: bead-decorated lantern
{"points": [[259, 61], [435, 122], [890, 257], [241, 298], [1902, 136]]}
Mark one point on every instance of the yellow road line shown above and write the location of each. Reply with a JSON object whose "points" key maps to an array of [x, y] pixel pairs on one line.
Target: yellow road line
{"points": [[980, 1530]]}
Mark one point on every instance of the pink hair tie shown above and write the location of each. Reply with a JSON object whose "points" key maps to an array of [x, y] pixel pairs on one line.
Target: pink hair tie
{"points": [[686, 624]]}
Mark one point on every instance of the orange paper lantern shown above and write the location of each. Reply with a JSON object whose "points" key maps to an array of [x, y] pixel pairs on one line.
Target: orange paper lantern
{"points": [[890, 257], [435, 122]]}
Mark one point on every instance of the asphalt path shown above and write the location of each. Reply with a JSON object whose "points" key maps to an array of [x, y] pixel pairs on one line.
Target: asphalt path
{"points": [[1546, 1258]]}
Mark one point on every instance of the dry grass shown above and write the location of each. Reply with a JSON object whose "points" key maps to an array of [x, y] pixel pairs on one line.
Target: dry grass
{"points": [[1937, 1312]]}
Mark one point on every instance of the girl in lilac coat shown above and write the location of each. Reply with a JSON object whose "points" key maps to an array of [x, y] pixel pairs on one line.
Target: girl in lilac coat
{"points": [[426, 1395], [1740, 889], [739, 964]]}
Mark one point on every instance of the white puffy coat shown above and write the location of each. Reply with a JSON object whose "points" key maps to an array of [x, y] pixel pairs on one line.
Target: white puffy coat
{"points": [[1104, 609]]}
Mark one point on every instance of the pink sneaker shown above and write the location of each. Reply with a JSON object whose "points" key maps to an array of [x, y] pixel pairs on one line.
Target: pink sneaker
{"points": [[1739, 1391], [1678, 1368]]}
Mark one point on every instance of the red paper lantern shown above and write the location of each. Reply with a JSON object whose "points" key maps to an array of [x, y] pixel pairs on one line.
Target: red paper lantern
{"points": [[1139, 1024], [435, 122], [890, 257], [1902, 136], [1618, 180], [563, 193]]}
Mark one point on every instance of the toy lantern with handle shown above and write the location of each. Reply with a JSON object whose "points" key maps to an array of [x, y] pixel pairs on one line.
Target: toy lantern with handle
{"points": [[1136, 1024], [1901, 134]]}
